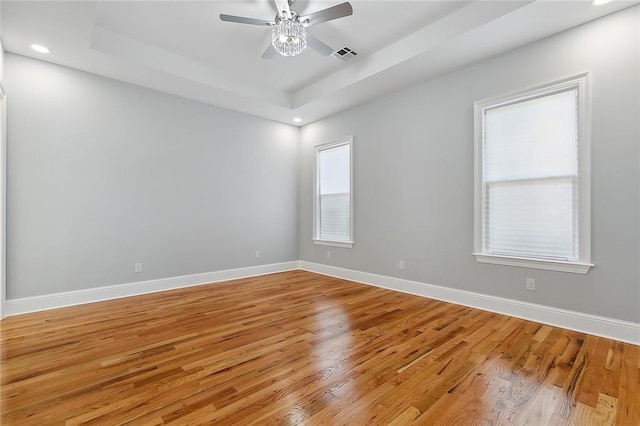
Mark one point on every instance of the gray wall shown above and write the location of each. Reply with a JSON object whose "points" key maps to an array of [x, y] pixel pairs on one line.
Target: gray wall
{"points": [[103, 174], [413, 174]]}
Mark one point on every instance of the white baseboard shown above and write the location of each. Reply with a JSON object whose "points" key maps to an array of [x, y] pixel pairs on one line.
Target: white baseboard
{"points": [[592, 324], [79, 297]]}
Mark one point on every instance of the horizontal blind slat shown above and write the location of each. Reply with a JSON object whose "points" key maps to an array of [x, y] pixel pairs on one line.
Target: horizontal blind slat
{"points": [[335, 218]]}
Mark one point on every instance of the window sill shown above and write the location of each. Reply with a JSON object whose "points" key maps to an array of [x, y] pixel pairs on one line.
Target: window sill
{"points": [[523, 262], [346, 244]]}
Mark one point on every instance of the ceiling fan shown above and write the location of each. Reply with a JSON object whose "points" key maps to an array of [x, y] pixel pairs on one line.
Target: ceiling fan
{"points": [[289, 36]]}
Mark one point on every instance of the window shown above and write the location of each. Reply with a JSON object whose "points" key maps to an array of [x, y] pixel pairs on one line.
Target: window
{"points": [[333, 215], [532, 178]]}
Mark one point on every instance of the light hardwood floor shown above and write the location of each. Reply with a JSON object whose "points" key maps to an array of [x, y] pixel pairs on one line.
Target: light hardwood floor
{"points": [[301, 348]]}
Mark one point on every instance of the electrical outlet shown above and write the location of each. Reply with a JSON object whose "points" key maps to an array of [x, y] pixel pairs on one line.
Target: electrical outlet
{"points": [[401, 265], [328, 255], [257, 255], [137, 268], [531, 284]]}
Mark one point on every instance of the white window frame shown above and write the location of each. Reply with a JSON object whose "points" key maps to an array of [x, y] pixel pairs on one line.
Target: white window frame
{"points": [[581, 83], [316, 193]]}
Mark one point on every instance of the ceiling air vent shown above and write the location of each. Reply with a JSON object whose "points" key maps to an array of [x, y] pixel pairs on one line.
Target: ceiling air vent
{"points": [[344, 53]]}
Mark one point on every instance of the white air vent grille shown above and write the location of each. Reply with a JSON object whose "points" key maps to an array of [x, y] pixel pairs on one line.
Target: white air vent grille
{"points": [[344, 53]]}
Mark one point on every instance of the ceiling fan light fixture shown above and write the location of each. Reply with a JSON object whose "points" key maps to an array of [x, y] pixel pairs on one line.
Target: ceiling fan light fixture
{"points": [[289, 37]]}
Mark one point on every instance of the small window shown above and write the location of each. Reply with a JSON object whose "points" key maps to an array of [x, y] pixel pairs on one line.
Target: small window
{"points": [[333, 212], [532, 178]]}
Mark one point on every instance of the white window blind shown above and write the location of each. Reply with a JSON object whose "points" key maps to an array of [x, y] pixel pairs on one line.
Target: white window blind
{"points": [[530, 170], [333, 193]]}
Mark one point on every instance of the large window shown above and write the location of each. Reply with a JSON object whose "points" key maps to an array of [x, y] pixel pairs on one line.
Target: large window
{"points": [[332, 203], [532, 178]]}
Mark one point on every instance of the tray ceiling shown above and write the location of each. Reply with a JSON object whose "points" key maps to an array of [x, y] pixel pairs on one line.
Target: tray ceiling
{"points": [[182, 47]]}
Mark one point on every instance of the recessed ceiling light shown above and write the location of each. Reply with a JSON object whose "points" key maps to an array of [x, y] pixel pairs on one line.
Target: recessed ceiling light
{"points": [[297, 120], [40, 48], [600, 2]]}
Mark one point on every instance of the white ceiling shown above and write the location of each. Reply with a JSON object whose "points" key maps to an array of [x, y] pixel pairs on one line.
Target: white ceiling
{"points": [[182, 47]]}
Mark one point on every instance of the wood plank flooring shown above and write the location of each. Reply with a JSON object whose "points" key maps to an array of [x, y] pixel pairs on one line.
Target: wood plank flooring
{"points": [[300, 348]]}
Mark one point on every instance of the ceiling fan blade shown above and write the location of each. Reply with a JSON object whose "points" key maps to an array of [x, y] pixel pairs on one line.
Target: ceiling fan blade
{"points": [[318, 45], [243, 20], [282, 6], [334, 12], [270, 52]]}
